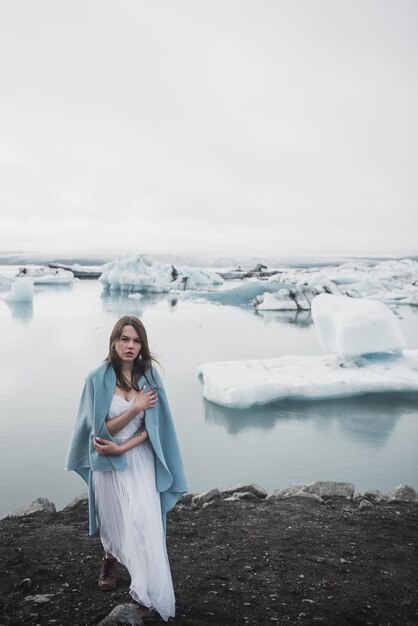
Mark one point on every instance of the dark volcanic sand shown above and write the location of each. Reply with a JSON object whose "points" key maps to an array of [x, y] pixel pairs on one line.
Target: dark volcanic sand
{"points": [[290, 561]]}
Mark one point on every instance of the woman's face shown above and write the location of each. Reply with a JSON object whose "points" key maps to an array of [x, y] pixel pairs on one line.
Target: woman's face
{"points": [[128, 346]]}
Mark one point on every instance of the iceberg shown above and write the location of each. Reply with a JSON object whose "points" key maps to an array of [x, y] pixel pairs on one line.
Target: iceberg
{"points": [[237, 295], [243, 384], [134, 274], [79, 271], [46, 275], [21, 291], [392, 282], [352, 327], [368, 358]]}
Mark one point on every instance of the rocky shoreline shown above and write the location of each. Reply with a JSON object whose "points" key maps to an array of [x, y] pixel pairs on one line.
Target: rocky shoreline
{"points": [[315, 554]]}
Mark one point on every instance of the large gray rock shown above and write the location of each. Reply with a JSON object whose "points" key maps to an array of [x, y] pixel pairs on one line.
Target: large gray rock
{"points": [[330, 488], [295, 491], [256, 490], [372, 496], [288, 492], [81, 498], [403, 493], [244, 495], [186, 498], [122, 615], [36, 506], [207, 496]]}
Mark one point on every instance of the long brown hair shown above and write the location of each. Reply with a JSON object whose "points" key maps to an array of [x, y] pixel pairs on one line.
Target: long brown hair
{"points": [[144, 361]]}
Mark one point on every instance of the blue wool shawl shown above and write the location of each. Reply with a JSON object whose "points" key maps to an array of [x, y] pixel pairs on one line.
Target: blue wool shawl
{"points": [[91, 422]]}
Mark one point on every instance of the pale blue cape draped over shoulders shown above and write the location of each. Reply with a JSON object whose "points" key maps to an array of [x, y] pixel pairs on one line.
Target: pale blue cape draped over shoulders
{"points": [[91, 422]]}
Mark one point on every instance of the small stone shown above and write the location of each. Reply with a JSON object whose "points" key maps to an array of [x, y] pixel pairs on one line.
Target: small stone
{"points": [[186, 498], [248, 568], [206, 504], [26, 583], [244, 495], [372, 496], [207, 496], [122, 615], [256, 490], [41, 598], [365, 504]]}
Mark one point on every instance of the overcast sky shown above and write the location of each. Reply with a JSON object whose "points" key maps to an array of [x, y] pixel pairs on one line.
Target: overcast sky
{"points": [[226, 126]]}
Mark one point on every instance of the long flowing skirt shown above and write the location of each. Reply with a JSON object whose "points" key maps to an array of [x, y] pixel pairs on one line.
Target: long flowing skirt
{"points": [[129, 512]]}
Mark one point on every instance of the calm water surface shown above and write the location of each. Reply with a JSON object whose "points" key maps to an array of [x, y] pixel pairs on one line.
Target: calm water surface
{"points": [[48, 347]]}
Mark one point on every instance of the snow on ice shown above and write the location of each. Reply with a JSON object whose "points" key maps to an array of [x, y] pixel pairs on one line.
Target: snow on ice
{"points": [[366, 334], [45, 275], [133, 274], [392, 282]]}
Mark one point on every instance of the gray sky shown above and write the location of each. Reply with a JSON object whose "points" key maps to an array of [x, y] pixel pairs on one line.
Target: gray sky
{"points": [[230, 126]]}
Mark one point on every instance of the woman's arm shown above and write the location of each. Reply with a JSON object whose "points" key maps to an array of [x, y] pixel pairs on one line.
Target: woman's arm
{"points": [[143, 401], [110, 448]]}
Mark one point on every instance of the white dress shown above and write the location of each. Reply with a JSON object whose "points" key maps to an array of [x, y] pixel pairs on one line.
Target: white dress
{"points": [[129, 511]]}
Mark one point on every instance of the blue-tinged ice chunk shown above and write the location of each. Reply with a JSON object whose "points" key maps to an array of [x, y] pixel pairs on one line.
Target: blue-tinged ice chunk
{"points": [[21, 291], [355, 326]]}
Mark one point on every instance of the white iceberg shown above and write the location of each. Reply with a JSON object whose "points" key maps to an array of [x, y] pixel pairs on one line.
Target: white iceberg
{"points": [[371, 360], [21, 291], [352, 327], [133, 274], [242, 384], [392, 282], [45, 275]]}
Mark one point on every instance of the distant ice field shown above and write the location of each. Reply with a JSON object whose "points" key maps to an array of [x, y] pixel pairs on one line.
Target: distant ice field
{"points": [[49, 345]]}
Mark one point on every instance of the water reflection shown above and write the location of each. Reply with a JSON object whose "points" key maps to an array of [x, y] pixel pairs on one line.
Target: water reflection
{"points": [[21, 310], [368, 419], [52, 287], [303, 319], [236, 293], [119, 304]]}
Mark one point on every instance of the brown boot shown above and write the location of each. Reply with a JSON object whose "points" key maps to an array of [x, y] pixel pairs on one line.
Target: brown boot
{"points": [[107, 578], [146, 614]]}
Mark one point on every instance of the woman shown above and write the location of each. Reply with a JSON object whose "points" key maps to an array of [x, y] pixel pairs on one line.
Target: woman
{"points": [[125, 447]]}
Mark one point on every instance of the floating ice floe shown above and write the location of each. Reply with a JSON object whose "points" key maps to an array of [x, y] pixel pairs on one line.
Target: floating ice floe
{"points": [[369, 341], [21, 291], [242, 294], [392, 282], [133, 274], [135, 296], [46, 275]]}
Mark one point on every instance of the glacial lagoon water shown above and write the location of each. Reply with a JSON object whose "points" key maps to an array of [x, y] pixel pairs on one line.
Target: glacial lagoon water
{"points": [[48, 346]]}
